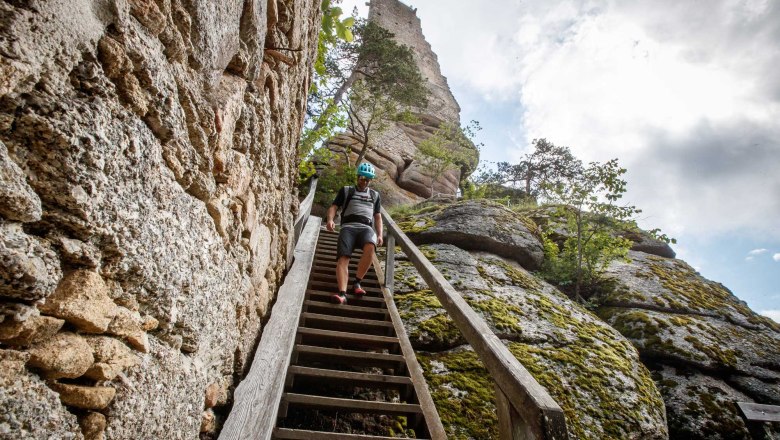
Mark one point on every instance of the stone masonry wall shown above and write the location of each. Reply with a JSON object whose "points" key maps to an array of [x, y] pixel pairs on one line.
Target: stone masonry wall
{"points": [[147, 193]]}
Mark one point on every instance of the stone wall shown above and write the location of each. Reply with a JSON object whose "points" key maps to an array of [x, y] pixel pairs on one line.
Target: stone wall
{"points": [[147, 193]]}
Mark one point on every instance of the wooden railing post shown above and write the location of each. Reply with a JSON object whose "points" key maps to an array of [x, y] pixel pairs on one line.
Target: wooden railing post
{"points": [[305, 209], [529, 410], [390, 263]]}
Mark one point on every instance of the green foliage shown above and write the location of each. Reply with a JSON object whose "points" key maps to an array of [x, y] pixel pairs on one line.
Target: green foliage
{"points": [[589, 198], [446, 149], [333, 177], [547, 165], [386, 86]]}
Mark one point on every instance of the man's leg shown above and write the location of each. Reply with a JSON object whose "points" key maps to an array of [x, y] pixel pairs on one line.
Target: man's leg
{"points": [[365, 260], [344, 251], [363, 265], [342, 273]]}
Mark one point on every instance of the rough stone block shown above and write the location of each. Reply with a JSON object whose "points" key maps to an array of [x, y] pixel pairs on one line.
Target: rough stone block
{"points": [[29, 269], [82, 299], [111, 358], [128, 325], [95, 398], [18, 201], [93, 426], [65, 355], [28, 328]]}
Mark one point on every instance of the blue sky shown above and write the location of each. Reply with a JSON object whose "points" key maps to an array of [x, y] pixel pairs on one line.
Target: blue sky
{"points": [[684, 93]]}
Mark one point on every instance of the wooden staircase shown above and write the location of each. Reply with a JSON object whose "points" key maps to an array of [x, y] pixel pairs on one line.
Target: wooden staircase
{"points": [[348, 375]]}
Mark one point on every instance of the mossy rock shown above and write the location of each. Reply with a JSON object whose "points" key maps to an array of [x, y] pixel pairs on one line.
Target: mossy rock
{"points": [[583, 362]]}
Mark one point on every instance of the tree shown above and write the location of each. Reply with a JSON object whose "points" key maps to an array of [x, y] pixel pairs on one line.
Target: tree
{"points": [[588, 200], [546, 166], [446, 149]]}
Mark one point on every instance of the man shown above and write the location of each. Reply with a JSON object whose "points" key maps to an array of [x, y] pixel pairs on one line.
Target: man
{"points": [[360, 211]]}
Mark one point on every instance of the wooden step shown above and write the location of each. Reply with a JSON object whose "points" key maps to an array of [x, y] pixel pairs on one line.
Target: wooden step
{"points": [[301, 434], [322, 337], [355, 357], [365, 300], [309, 317], [356, 378], [357, 406], [329, 275], [325, 285], [344, 310]]}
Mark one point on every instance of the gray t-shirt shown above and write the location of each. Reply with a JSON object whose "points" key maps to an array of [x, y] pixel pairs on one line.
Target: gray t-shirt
{"points": [[363, 205]]}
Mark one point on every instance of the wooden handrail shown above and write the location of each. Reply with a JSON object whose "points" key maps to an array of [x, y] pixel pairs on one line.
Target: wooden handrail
{"points": [[305, 209], [256, 400], [525, 408]]}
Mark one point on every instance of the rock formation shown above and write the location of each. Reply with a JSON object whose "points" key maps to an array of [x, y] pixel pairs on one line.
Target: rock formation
{"points": [[401, 178], [147, 191], [665, 350]]}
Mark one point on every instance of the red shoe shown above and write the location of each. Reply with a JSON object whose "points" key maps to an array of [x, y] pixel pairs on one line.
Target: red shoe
{"points": [[339, 299], [357, 290]]}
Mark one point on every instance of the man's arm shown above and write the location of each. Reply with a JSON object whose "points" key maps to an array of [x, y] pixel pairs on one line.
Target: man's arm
{"points": [[378, 223], [331, 215]]}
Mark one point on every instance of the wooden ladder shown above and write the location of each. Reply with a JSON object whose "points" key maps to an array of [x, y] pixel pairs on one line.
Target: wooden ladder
{"points": [[352, 365]]}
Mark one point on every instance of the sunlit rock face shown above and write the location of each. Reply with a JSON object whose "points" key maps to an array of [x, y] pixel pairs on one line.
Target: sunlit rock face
{"points": [[660, 351], [402, 179], [147, 171], [707, 350]]}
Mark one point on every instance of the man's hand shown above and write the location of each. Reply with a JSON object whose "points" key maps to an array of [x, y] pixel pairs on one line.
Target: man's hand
{"points": [[379, 240], [330, 226]]}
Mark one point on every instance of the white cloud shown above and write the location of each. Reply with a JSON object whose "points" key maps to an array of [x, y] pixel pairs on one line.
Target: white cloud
{"points": [[757, 251], [772, 314], [776, 257]]}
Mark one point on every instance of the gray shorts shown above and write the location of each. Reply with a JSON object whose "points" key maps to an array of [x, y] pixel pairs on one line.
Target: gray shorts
{"points": [[354, 237]]}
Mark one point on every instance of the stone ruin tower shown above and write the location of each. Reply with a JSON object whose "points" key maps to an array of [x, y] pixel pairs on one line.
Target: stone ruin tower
{"points": [[400, 177]]}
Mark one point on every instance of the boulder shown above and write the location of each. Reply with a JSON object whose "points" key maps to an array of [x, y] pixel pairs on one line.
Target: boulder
{"points": [[477, 225], [580, 360], [65, 355], [82, 299]]}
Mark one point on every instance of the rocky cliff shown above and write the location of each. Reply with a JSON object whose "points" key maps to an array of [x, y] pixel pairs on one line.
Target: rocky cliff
{"points": [[401, 177], [661, 352], [147, 191]]}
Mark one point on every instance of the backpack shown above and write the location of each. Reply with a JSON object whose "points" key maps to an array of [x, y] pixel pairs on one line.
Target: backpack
{"points": [[350, 194]]}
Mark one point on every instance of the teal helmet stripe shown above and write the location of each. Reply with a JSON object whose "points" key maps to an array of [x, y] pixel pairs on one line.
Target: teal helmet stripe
{"points": [[366, 170]]}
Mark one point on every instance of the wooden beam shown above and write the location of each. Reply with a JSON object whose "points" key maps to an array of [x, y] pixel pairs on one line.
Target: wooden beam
{"points": [[756, 412], [432, 419], [533, 403], [256, 400]]}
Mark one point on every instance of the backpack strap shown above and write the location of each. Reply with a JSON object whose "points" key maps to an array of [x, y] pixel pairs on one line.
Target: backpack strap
{"points": [[350, 194]]}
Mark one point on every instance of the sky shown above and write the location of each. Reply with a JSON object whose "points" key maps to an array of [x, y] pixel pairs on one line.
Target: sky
{"points": [[684, 93]]}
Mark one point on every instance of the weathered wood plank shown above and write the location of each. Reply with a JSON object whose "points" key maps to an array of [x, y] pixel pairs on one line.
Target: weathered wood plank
{"points": [[347, 336], [757, 412], [257, 397], [390, 264], [370, 406], [432, 420], [299, 434], [350, 354], [349, 375], [304, 210], [342, 319], [532, 401]]}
